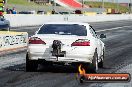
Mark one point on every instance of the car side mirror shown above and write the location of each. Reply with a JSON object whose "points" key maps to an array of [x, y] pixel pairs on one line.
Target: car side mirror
{"points": [[102, 36]]}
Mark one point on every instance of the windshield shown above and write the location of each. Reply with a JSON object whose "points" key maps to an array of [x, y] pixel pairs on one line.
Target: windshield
{"points": [[63, 29]]}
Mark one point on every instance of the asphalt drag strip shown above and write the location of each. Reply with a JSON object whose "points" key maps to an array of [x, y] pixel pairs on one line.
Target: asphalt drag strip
{"points": [[117, 59]]}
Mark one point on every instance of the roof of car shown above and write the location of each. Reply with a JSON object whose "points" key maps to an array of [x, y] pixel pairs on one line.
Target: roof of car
{"points": [[66, 22]]}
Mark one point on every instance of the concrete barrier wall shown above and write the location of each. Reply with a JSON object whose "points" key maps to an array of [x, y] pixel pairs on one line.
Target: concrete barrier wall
{"points": [[12, 41], [99, 18], [34, 19], [30, 19]]}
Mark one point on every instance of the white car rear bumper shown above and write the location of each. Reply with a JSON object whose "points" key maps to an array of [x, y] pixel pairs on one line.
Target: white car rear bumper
{"points": [[73, 54], [67, 58]]}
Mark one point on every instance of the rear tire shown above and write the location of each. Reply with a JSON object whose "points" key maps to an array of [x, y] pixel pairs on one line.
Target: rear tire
{"points": [[101, 63], [31, 65], [95, 62]]}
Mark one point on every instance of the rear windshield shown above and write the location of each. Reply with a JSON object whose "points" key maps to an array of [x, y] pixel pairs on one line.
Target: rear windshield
{"points": [[63, 29]]}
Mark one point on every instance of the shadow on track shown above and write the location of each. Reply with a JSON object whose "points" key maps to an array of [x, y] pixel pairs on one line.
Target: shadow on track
{"points": [[51, 69]]}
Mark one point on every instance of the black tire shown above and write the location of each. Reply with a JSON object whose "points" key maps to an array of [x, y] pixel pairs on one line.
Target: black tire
{"points": [[101, 63], [95, 62], [31, 65]]}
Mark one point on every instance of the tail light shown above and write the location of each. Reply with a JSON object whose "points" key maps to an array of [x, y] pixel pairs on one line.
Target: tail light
{"points": [[36, 40], [81, 42]]}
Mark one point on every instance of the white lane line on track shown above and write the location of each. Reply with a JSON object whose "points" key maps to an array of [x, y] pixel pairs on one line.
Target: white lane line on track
{"points": [[116, 28]]}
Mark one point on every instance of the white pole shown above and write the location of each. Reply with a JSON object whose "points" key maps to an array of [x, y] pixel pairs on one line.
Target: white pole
{"points": [[53, 4], [113, 1], [82, 5], [28, 0], [130, 6], [5, 1], [102, 4], [117, 6]]}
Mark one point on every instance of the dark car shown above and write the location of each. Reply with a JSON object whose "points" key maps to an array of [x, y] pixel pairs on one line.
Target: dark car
{"points": [[41, 12], [26, 12], [4, 24]]}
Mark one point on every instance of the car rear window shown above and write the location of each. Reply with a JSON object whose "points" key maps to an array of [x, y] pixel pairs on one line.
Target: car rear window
{"points": [[63, 29]]}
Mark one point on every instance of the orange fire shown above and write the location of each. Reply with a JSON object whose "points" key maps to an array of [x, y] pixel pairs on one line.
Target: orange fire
{"points": [[81, 70]]}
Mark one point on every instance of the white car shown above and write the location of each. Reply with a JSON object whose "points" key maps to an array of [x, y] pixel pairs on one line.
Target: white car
{"points": [[68, 43]]}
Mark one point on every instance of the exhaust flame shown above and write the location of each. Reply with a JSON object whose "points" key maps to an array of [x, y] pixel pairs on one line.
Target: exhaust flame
{"points": [[81, 70]]}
